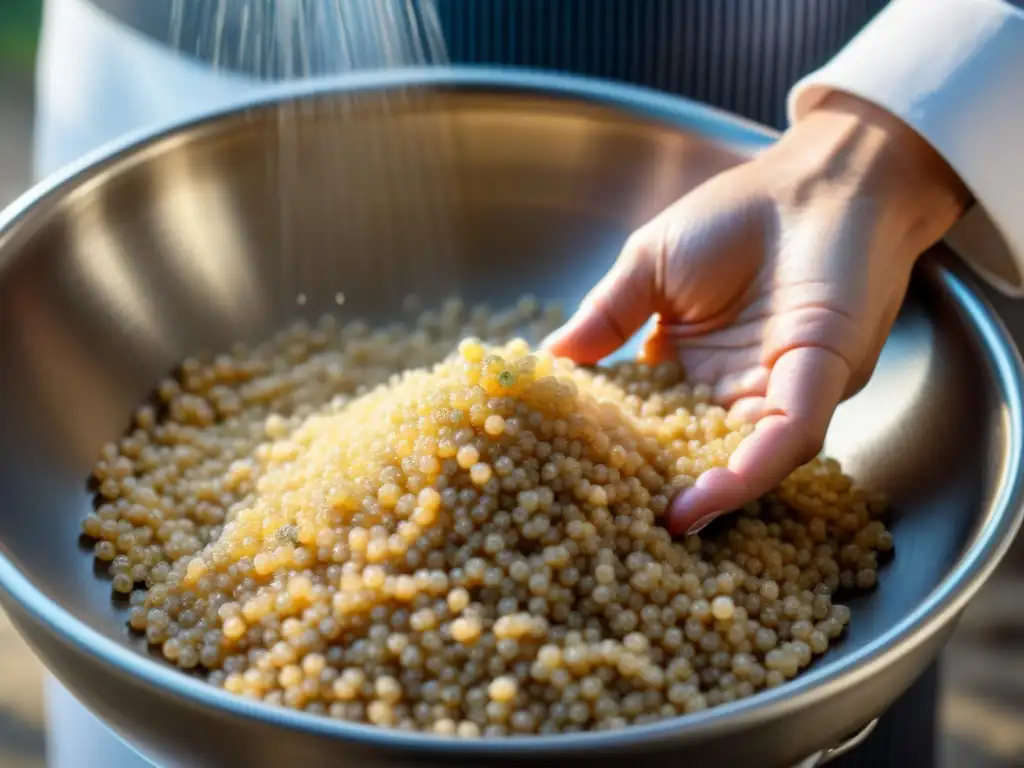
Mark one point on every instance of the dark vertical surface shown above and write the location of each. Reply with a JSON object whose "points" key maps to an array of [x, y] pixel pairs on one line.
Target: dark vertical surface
{"points": [[906, 735], [739, 55]]}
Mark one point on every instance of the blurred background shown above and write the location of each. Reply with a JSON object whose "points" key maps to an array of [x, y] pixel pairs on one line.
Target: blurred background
{"points": [[21, 705], [983, 703], [19, 28]]}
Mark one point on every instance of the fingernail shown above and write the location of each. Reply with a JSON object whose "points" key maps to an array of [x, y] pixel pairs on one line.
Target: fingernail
{"points": [[703, 523]]}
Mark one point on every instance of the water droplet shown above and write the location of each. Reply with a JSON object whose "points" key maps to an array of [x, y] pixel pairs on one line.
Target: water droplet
{"points": [[301, 299], [339, 298]]}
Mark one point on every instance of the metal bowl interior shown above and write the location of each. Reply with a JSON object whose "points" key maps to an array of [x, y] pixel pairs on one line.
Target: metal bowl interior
{"points": [[482, 185]]}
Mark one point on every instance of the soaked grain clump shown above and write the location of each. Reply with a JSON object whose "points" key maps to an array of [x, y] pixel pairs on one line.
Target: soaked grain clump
{"points": [[338, 523]]}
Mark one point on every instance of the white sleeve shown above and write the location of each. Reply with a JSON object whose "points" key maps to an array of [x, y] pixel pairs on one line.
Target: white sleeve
{"points": [[953, 70]]}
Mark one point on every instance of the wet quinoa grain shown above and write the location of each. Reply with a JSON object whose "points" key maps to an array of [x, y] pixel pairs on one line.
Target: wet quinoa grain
{"points": [[337, 522]]}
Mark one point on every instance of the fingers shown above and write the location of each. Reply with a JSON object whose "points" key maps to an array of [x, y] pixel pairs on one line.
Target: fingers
{"points": [[805, 386], [733, 388], [614, 310]]}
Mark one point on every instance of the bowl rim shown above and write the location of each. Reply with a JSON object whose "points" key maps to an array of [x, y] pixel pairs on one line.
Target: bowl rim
{"points": [[821, 681]]}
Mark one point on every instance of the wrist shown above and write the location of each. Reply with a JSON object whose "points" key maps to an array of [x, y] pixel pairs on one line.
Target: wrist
{"points": [[850, 150]]}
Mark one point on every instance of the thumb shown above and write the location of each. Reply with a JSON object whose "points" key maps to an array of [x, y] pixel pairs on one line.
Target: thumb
{"points": [[615, 308], [804, 389]]}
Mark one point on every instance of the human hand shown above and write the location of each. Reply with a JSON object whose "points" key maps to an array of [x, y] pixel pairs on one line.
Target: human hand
{"points": [[778, 282]]}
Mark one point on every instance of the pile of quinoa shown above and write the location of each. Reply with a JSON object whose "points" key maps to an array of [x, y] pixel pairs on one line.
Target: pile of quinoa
{"points": [[336, 522]]}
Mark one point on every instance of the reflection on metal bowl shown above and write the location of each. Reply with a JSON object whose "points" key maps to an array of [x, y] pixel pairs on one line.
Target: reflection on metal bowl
{"points": [[475, 183]]}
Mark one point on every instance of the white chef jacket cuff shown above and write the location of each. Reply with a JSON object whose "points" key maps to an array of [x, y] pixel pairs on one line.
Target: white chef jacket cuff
{"points": [[954, 71]]}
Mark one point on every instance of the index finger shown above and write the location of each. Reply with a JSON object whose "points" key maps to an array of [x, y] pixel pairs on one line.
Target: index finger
{"points": [[805, 387]]}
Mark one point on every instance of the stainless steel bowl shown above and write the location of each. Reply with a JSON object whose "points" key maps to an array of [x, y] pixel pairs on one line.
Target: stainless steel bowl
{"points": [[483, 184]]}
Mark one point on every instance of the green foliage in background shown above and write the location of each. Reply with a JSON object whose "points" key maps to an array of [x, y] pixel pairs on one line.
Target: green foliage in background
{"points": [[19, 31]]}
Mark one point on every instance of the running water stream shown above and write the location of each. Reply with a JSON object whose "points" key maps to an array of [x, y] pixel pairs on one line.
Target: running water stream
{"points": [[278, 40]]}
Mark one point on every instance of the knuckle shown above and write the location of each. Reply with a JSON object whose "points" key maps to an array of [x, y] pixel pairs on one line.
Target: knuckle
{"points": [[859, 380], [809, 441], [639, 245], [815, 326]]}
